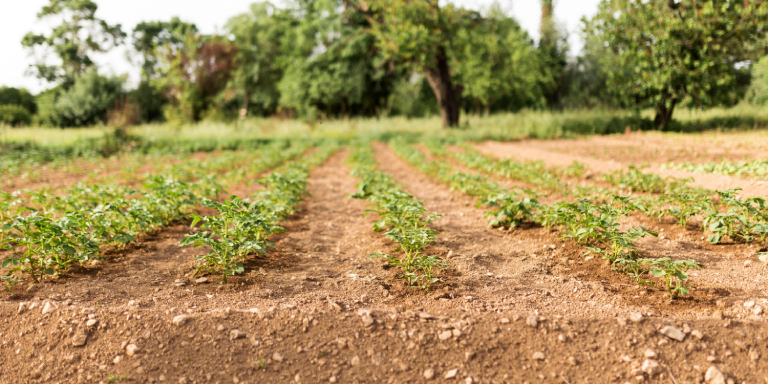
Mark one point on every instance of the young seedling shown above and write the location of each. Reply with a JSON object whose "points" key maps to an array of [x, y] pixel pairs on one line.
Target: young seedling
{"points": [[675, 273]]}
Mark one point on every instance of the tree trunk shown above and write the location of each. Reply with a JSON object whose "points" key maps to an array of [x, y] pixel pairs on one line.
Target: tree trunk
{"points": [[664, 114], [439, 78]]}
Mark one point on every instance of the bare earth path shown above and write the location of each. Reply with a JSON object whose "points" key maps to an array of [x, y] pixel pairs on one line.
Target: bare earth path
{"points": [[318, 309]]}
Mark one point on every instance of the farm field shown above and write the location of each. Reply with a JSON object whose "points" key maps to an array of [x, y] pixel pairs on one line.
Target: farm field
{"points": [[561, 261]]}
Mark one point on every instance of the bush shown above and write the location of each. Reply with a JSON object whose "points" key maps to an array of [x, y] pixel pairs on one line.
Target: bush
{"points": [[88, 100], [18, 96], [758, 89], [14, 115]]}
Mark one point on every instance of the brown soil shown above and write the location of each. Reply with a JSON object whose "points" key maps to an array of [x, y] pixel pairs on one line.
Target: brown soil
{"points": [[318, 309]]}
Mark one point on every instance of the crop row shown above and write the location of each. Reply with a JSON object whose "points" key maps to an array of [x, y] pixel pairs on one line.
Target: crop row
{"points": [[403, 218], [754, 168], [81, 226], [722, 212], [592, 225], [243, 226]]}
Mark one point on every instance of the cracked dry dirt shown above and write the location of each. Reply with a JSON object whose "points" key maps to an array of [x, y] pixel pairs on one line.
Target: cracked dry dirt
{"points": [[516, 306]]}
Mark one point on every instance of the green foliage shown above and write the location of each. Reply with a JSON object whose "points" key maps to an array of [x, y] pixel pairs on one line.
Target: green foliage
{"points": [[753, 168], [758, 89], [663, 54], [740, 219], [88, 100], [496, 63], [149, 36], [14, 115], [403, 218], [79, 35], [674, 274], [20, 97]]}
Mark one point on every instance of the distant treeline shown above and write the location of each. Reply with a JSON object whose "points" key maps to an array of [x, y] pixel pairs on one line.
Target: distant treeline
{"points": [[325, 59]]}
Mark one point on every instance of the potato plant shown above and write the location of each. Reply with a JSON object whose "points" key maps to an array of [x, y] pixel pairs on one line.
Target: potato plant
{"points": [[402, 217], [242, 227]]}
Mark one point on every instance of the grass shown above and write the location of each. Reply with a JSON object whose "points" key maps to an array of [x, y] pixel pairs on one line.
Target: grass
{"points": [[502, 126]]}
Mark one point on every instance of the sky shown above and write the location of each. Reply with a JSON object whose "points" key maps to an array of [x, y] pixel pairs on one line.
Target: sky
{"points": [[20, 16]]}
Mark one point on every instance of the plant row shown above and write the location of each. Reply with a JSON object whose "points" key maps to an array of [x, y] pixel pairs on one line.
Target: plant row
{"points": [[81, 226], [401, 216], [588, 223], [754, 168], [242, 227], [722, 212]]}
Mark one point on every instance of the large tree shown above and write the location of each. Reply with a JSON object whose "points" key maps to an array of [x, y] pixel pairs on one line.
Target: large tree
{"points": [[418, 33], [496, 62], [148, 36], [667, 53], [79, 35]]}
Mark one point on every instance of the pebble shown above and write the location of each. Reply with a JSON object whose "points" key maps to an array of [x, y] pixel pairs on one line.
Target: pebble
{"points": [[236, 334], [425, 315], [622, 321], [47, 308], [367, 320], [538, 356], [117, 359], [277, 357], [79, 340], [757, 310], [445, 335], [91, 323], [131, 349], [651, 367], [532, 321], [763, 258], [180, 319], [572, 360], [718, 315], [749, 304], [636, 317], [147, 334], [753, 354], [451, 374], [456, 333], [201, 280], [469, 380], [673, 333], [355, 361], [429, 373], [650, 353], [504, 320], [714, 376]]}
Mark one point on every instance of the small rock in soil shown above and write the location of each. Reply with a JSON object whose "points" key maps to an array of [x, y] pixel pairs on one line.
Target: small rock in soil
{"points": [[636, 317], [131, 349], [91, 323], [277, 357], [532, 321], [650, 353], [180, 319], [572, 360], [504, 320], [355, 361], [469, 380], [236, 334], [79, 340], [429, 373], [753, 354], [697, 334], [622, 321], [367, 320], [451, 374], [673, 333], [445, 335], [47, 308], [538, 356], [714, 376], [651, 367], [201, 280]]}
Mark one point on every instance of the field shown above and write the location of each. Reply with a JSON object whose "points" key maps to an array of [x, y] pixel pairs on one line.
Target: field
{"points": [[627, 258]]}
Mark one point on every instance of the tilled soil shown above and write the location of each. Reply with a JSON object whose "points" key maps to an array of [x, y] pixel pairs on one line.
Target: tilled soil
{"points": [[516, 306]]}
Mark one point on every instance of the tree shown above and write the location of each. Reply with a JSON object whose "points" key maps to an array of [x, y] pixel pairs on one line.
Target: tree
{"points": [[495, 60], [149, 35], [193, 77], [79, 35], [758, 89], [553, 49], [418, 33], [88, 100], [260, 36], [340, 71], [667, 53], [18, 96]]}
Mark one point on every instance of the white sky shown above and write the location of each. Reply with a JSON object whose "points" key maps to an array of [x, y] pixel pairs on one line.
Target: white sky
{"points": [[19, 17]]}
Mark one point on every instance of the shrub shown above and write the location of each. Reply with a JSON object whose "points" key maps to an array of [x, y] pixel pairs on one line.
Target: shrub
{"points": [[14, 115]]}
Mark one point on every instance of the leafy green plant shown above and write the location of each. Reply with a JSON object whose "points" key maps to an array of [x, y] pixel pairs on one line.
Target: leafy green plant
{"points": [[742, 220], [402, 217], [675, 273]]}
